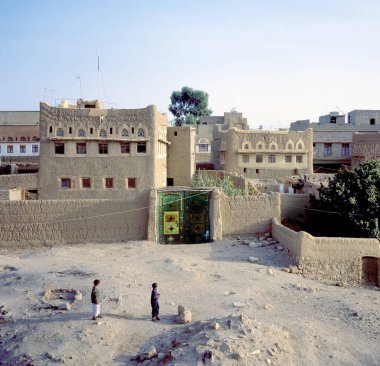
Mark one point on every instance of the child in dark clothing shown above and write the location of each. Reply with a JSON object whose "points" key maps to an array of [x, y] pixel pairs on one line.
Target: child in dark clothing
{"points": [[95, 300], [154, 303]]}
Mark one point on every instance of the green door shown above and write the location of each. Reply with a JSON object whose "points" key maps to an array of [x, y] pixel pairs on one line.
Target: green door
{"points": [[184, 217]]}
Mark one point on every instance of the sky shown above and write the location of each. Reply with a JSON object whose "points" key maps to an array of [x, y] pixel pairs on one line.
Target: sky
{"points": [[275, 61]]}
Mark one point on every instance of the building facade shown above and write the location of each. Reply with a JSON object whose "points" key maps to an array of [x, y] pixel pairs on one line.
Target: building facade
{"points": [[19, 136], [259, 154], [91, 152], [333, 137]]}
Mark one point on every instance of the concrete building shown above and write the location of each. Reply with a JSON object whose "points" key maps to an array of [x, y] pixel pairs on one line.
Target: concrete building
{"points": [[19, 137], [332, 136], [91, 152]]}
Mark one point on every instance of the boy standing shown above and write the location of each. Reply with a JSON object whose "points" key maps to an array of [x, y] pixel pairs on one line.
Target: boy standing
{"points": [[95, 300], [154, 303]]}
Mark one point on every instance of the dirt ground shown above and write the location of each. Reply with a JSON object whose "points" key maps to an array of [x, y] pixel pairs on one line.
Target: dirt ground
{"points": [[243, 313]]}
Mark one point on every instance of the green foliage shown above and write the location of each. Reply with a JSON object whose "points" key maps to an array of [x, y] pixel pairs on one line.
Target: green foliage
{"points": [[352, 200], [226, 184], [187, 105], [203, 180]]}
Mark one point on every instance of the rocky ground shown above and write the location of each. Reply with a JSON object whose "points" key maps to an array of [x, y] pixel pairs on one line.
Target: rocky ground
{"points": [[245, 308]]}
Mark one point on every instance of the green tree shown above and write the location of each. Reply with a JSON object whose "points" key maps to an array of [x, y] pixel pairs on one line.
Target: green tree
{"points": [[187, 105], [350, 204]]}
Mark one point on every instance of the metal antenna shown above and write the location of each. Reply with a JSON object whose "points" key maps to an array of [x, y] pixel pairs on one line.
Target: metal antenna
{"points": [[80, 85]]}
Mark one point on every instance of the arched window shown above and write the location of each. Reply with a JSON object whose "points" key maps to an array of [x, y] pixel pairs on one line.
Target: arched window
{"points": [[246, 146], [259, 147], [300, 146], [289, 146], [273, 146], [60, 132], [10, 139], [81, 133], [103, 133], [125, 133], [141, 132], [22, 138]]}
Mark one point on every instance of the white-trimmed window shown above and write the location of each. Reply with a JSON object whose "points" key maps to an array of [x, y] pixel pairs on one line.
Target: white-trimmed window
{"points": [[35, 149], [328, 149], [345, 149], [125, 147], [65, 183], [141, 147], [9, 149], [140, 132], [124, 133], [271, 158], [131, 182], [259, 158], [60, 132], [299, 159], [288, 158], [203, 147], [103, 148], [81, 133], [86, 182], [108, 182], [22, 149], [59, 148], [103, 133], [81, 148], [245, 158]]}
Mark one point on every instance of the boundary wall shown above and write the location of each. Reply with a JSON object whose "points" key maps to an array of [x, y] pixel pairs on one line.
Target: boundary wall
{"points": [[25, 181], [332, 259], [25, 224], [248, 214], [293, 205]]}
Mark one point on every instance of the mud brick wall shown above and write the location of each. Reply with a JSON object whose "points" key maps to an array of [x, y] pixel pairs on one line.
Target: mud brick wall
{"points": [[331, 259], [52, 222], [26, 181], [293, 205], [248, 214]]}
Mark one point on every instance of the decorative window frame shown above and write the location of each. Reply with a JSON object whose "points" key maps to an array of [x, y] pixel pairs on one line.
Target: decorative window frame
{"points": [[260, 145]]}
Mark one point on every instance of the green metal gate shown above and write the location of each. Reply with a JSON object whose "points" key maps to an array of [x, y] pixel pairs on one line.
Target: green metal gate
{"points": [[184, 217]]}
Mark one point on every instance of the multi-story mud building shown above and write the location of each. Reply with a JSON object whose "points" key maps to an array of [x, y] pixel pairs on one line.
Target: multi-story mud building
{"points": [[88, 151]]}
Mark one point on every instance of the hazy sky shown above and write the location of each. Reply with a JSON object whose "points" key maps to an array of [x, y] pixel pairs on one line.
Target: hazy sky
{"points": [[275, 61]]}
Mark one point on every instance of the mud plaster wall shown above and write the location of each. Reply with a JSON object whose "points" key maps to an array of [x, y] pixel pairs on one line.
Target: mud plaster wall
{"points": [[52, 222], [248, 214], [293, 205], [334, 260], [26, 181]]}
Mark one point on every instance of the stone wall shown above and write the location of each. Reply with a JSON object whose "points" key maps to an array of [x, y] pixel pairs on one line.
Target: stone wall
{"points": [[52, 222], [331, 259], [248, 214], [26, 181]]}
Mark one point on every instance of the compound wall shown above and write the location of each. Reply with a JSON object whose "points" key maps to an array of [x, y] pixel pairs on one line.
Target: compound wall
{"points": [[52, 222], [332, 259]]}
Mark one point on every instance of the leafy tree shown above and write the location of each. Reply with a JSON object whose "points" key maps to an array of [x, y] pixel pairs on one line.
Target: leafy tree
{"points": [[187, 105], [350, 204]]}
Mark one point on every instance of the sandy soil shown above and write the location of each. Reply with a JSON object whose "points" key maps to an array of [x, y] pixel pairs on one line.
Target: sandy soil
{"points": [[243, 313]]}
